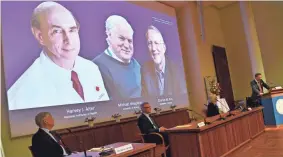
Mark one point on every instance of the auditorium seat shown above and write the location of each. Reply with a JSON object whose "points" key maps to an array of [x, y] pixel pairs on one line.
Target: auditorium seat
{"points": [[32, 153], [251, 103]]}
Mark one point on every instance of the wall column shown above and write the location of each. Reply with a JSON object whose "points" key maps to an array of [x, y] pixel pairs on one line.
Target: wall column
{"points": [[251, 38], [189, 33]]}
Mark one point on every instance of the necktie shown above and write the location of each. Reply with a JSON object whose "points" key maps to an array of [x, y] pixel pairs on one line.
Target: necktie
{"points": [[77, 84], [59, 141], [153, 123], [160, 76]]}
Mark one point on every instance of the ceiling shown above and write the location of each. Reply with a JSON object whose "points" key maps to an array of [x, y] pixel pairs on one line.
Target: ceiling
{"points": [[216, 4]]}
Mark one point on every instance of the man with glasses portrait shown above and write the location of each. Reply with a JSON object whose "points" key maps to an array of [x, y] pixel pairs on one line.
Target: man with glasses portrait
{"points": [[160, 76]]}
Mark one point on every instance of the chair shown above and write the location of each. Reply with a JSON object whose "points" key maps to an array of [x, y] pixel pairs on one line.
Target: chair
{"points": [[31, 151], [251, 102], [160, 149]]}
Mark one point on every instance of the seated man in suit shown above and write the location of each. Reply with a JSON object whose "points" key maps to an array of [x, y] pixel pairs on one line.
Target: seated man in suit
{"points": [[44, 144], [147, 124], [160, 75], [257, 88]]}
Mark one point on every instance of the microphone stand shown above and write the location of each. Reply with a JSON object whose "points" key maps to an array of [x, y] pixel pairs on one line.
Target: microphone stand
{"points": [[80, 142], [204, 118]]}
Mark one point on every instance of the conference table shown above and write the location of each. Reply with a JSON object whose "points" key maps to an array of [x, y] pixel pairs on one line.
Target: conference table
{"points": [[139, 150], [217, 139]]}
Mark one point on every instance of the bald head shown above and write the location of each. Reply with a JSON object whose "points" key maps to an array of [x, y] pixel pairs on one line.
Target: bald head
{"points": [[120, 37], [43, 9], [56, 30]]}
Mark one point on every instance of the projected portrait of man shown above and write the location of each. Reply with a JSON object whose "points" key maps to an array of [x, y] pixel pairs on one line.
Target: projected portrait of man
{"points": [[160, 76], [120, 71], [58, 76]]}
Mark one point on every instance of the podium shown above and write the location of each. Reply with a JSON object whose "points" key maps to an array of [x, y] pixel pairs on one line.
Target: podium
{"points": [[273, 107]]}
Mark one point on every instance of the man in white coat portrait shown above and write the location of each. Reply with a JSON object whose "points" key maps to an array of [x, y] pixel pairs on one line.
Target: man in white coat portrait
{"points": [[58, 76]]}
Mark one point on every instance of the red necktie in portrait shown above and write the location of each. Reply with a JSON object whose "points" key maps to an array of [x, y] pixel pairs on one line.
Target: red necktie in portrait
{"points": [[77, 84]]}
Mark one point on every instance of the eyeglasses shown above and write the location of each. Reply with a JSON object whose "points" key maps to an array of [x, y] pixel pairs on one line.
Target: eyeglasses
{"points": [[150, 44], [147, 107]]}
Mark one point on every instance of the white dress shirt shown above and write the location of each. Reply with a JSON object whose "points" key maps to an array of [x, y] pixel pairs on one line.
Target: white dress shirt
{"points": [[46, 84], [147, 115], [48, 132]]}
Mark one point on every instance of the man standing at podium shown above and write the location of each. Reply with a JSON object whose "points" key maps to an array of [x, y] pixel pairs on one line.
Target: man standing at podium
{"points": [[257, 88]]}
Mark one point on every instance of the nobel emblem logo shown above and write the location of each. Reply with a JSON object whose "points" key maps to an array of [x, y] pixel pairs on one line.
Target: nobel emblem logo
{"points": [[279, 106]]}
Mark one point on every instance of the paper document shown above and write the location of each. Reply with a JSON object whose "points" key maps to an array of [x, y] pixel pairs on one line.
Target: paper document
{"points": [[183, 126], [99, 149]]}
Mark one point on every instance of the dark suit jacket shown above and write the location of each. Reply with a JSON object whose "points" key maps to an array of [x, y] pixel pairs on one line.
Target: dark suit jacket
{"points": [[174, 80], [45, 146], [212, 110], [255, 88], [145, 125]]}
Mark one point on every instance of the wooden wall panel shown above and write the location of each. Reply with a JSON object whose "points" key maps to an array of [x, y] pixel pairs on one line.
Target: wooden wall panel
{"points": [[171, 120], [100, 137], [217, 138], [130, 132], [183, 144], [205, 144], [231, 136]]}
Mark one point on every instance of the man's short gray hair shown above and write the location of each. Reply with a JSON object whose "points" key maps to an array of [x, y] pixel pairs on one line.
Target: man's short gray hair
{"points": [[45, 7], [143, 104], [151, 27], [39, 118], [114, 20]]}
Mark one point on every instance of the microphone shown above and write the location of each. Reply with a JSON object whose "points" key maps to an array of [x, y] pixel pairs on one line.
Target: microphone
{"points": [[238, 107], [242, 108], [106, 151], [229, 111], [204, 118], [80, 142]]}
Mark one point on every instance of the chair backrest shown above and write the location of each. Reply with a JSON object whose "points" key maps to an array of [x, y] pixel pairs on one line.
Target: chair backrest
{"points": [[31, 151], [140, 134], [251, 102]]}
